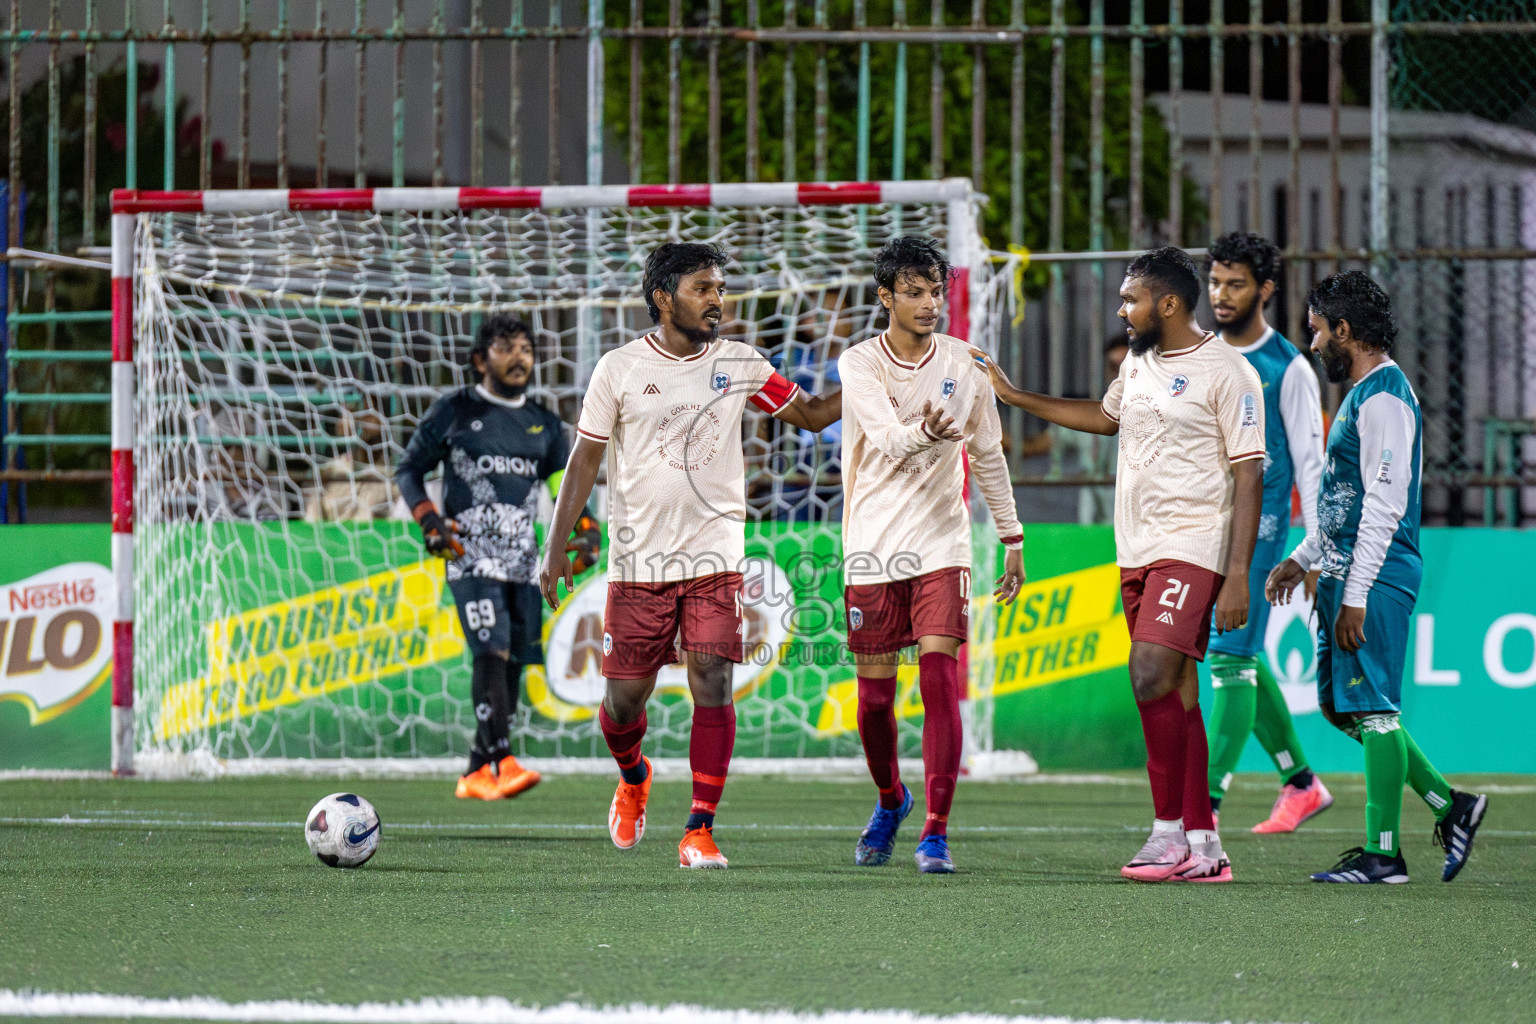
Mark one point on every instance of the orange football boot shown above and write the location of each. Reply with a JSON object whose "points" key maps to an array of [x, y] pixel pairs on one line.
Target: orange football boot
{"points": [[1294, 806], [479, 784], [698, 849], [626, 815], [512, 778]]}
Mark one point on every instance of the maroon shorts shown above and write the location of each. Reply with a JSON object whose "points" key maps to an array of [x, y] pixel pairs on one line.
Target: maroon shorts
{"points": [[885, 617], [645, 623], [1169, 603]]}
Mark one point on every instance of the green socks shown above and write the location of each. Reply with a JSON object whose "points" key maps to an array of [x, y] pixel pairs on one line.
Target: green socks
{"points": [[1386, 768], [1428, 783], [1422, 776], [1273, 726], [1232, 717]]}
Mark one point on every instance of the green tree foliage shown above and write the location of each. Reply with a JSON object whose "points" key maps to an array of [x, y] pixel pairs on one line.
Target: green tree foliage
{"points": [[111, 146], [842, 123]]}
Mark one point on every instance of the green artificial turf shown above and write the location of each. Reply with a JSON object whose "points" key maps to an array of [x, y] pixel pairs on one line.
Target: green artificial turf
{"points": [[165, 893]]}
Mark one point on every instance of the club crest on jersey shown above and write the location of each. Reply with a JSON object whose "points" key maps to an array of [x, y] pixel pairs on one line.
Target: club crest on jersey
{"points": [[948, 387], [721, 382], [855, 618], [1178, 385]]}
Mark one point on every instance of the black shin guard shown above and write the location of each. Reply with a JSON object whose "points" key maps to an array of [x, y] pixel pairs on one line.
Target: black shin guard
{"points": [[488, 690]]}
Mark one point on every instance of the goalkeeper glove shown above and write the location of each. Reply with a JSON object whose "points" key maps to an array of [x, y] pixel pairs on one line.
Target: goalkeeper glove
{"points": [[586, 543], [437, 533]]}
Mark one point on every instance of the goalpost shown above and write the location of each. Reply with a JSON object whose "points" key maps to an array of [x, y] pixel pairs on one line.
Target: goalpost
{"points": [[272, 353]]}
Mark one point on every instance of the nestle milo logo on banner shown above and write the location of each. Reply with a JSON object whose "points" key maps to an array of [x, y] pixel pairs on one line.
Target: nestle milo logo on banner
{"points": [[330, 639], [53, 629]]}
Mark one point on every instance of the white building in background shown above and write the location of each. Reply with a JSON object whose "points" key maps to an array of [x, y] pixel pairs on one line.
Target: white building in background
{"points": [[1467, 329]]}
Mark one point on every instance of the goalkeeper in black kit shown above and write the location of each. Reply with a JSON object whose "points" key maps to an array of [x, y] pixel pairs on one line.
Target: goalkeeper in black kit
{"points": [[495, 447]]}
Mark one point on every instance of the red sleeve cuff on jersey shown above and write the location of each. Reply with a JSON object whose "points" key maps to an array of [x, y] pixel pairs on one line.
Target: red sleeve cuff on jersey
{"points": [[926, 432], [1247, 455], [775, 394], [1017, 538], [588, 433], [1106, 412]]}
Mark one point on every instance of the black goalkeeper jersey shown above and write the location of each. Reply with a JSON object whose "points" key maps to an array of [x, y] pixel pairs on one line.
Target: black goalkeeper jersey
{"points": [[494, 457]]}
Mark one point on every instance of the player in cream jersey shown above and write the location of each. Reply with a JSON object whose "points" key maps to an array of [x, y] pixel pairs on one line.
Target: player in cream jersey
{"points": [[907, 535], [1186, 416], [676, 475], [904, 488], [1188, 491], [666, 409]]}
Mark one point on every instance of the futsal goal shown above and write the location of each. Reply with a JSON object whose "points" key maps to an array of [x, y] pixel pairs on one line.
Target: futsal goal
{"points": [[273, 351]]}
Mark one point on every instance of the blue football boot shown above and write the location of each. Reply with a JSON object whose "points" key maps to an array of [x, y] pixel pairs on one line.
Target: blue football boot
{"points": [[1363, 868], [933, 856], [1456, 831], [879, 836]]}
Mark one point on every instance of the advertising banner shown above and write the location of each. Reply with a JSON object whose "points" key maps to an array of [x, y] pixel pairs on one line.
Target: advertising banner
{"points": [[56, 601], [340, 639]]}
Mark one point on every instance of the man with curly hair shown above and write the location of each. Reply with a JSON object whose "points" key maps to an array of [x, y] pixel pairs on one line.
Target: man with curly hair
{"points": [[1367, 546]]}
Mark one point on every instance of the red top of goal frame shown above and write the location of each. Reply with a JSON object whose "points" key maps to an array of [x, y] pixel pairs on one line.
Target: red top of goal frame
{"points": [[820, 193]]}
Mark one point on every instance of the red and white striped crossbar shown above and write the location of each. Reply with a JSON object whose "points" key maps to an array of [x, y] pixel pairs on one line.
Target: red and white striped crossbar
{"points": [[766, 193]]}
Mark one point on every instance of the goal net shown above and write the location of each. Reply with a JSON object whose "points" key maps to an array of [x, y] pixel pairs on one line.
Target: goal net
{"points": [[284, 347]]}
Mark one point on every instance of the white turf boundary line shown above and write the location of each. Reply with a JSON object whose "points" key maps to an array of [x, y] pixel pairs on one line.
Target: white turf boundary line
{"points": [[988, 766], [493, 1010]]}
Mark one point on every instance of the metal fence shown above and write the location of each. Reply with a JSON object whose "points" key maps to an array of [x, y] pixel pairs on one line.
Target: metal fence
{"points": [[1389, 134]]}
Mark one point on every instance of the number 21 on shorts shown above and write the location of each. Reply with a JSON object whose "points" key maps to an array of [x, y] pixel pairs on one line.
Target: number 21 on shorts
{"points": [[1174, 596]]}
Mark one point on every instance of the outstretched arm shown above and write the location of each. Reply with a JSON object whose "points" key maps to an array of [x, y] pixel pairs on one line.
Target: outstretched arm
{"points": [[575, 486], [1083, 414], [813, 412]]}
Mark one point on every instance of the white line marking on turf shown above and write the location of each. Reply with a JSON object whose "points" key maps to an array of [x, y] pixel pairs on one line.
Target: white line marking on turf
{"points": [[125, 819], [492, 1010]]}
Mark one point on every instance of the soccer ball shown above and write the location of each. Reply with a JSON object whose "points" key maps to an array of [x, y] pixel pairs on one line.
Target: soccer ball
{"points": [[342, 830]]}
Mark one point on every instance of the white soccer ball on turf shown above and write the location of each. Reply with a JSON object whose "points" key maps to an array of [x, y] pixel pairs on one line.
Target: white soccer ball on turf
{"points": [[342, 830]]}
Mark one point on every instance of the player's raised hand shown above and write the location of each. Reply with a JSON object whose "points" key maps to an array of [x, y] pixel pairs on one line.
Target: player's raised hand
{"points": [[555, 567], [1283, 581], [1232, 605], [1013, 577], [940, 424], [1349, 628], [438, 535]]}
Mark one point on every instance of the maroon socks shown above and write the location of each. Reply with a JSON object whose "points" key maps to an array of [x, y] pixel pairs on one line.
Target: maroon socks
{"points": [[624, 742], [939, 681], [710, 742], [1197, 792], [1166, 728], [877, 729]]}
